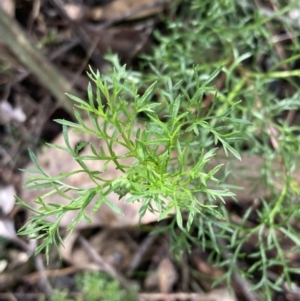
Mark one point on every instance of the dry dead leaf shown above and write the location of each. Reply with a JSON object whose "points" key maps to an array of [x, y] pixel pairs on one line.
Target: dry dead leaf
{"points": [[8, 232], [7, 199], [215, 295], [8, 113], [8, 6], [127, 9], [16, 268], [75, 12], [220, 295], [167, 275], [7, 228], [126, 41], [117, 10], [109, 244], [163, 278]]}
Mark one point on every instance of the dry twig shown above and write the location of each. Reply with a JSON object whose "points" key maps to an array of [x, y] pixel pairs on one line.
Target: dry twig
{"points": [[102, 263], [17, 42]]}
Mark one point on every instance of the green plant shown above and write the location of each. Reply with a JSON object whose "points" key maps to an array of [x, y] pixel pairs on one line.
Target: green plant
{"points": [[60, 296], [95, 286], [162, 182], [184, 120]]}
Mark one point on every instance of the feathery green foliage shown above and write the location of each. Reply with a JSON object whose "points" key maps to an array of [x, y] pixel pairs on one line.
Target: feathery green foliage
{"points": [[247, 114]]}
